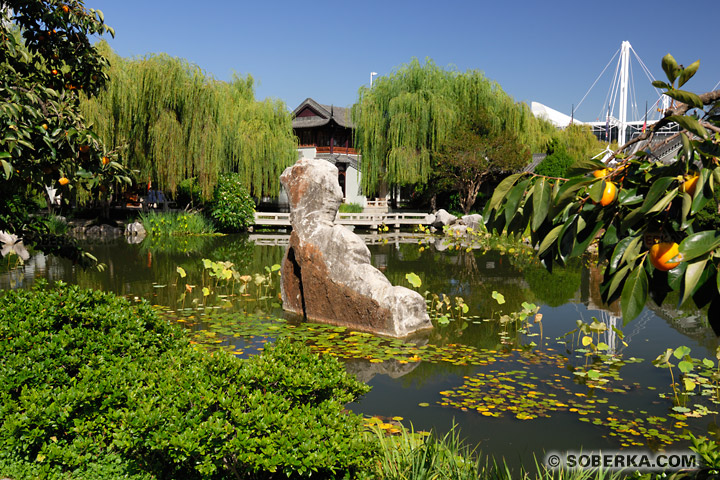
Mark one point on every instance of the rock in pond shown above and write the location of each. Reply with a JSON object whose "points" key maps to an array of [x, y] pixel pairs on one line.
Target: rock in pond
{"points": [[326, 272]]}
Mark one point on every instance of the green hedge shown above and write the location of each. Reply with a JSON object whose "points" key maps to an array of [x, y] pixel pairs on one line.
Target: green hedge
{"points": [[94, 387]]}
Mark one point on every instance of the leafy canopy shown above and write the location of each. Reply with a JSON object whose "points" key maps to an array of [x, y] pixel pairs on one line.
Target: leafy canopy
{"points": [[46, 59], [654, 203], [173, 122], [411, 115]]}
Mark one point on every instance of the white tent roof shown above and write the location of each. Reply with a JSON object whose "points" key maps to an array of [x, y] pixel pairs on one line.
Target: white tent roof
{"points": [[560, 120]]}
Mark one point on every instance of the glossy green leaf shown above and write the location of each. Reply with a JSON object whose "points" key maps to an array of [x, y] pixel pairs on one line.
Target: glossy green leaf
{"points": [[657, 190], [693, 273], [634, 294], [670, 67], [690, 124], [617, 279], [685, 97], [699, 244], [676, 275], [584, 166], [502, 189], [549, 239], [702, 195], [664, 202], [596, 191], [688, 72], [541, 203], [7, 167], [513, 200], [660, 84], [619, 251]]}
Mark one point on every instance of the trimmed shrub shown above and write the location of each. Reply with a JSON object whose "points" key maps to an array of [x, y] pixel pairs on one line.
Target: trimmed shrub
{"points": [[555, 164], [94, 387], [232, 208]]}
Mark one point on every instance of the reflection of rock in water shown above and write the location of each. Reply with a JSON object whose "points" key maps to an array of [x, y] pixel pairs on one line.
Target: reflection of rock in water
{"points": [[365, 371]]}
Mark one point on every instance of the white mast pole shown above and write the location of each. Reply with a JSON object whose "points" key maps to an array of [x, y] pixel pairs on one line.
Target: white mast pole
{"points": [[624, 73]]}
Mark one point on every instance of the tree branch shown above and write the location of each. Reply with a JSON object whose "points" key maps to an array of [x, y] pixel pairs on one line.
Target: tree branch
{"points": [[707, 98]]}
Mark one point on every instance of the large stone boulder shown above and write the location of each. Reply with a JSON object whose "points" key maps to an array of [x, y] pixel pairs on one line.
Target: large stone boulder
{"points": [[474, 221], [326, 272], [443, 219]]}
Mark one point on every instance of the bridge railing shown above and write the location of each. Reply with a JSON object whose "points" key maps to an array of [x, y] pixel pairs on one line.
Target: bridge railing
{"points": [[358, 219]]}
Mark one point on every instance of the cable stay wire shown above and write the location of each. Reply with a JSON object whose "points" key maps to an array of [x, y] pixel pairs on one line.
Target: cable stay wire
{"points": [[596, 80], [650, 77], [615, 87]]}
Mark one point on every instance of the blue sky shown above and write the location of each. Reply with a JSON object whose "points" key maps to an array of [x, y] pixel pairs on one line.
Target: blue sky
{"points": [[550, 52]]}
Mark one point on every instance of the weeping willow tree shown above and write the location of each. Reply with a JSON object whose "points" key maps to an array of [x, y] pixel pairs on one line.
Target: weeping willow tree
{"points": [[410, 115], [173, 122]]}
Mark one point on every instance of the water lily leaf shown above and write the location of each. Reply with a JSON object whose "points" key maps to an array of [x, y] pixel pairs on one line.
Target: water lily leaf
{"points": [[586, 340], [181, 271], [413, 279], [681, 351], [685, 366], [499, 297]]}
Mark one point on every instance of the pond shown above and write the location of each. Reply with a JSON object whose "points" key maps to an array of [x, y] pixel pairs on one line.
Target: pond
{"points": [[516, 387]]}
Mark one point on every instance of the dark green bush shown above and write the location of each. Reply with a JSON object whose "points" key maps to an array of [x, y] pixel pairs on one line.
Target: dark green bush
{"points": [[189, 193], [708, 218], [232, 208], [555, 164], [93, 387]]}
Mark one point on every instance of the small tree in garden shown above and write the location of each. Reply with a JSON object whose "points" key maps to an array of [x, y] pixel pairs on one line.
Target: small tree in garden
{"points": [[643, 213], [232, 208], [46, 60], [471, 157]]}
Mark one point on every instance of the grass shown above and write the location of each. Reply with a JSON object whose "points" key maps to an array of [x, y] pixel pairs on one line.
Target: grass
{"points": [[414, 456], [176, 223]]}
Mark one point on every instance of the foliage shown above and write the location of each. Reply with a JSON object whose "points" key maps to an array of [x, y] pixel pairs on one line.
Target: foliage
{"points": [[556, 288], [409, 116], [413, 456], [652, 205], [94, 387], [175, 223], [555, 164], [189, 193], [578, 141], [708, 217], [174, 122], [232, 209], [475, 152], [350, 208], [45, 61]]}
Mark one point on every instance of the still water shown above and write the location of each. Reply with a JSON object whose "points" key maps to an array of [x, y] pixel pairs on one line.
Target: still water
{"points": [[515, 388]]}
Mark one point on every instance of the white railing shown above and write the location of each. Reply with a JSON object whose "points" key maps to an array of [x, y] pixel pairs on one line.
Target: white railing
{"points": [[369, 239], [373, 220]]}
